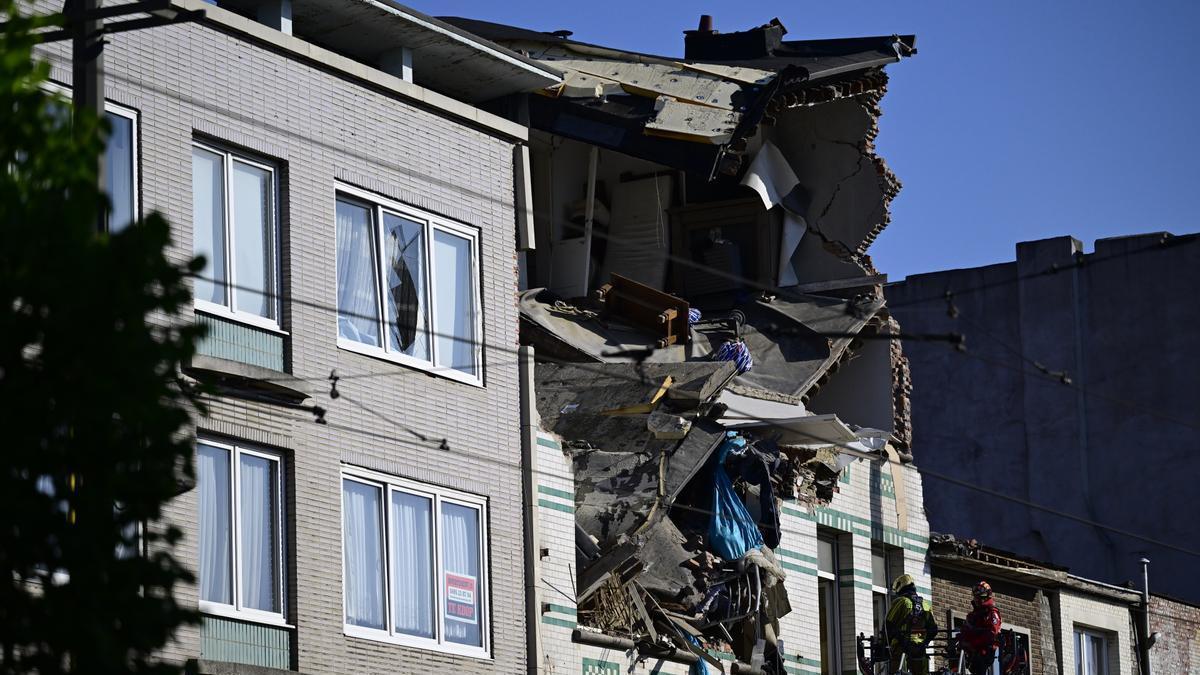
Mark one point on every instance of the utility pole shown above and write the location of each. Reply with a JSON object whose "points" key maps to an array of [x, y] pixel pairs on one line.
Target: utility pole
{"points": [[1147, 639], [87, 76]]}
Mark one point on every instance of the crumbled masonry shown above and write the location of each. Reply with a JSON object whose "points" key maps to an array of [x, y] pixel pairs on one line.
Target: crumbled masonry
{"points": [[704, 288]]}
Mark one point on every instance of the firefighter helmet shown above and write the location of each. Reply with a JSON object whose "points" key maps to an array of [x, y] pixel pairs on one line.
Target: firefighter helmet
{"points": [[982, 591], [903, 581]]}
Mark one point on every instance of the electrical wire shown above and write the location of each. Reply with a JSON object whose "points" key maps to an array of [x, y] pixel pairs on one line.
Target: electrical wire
{"points": [[1079, 262]]}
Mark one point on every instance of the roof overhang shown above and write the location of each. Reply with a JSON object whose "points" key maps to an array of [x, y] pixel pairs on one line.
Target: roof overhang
{"points": [[445, 58]]}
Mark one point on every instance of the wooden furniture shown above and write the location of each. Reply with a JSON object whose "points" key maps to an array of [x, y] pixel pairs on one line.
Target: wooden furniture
{"points": [[660, 313]]}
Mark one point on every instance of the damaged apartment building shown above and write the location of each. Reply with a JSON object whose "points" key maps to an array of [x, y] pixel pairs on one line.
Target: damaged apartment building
{"points": [[715, 406]]}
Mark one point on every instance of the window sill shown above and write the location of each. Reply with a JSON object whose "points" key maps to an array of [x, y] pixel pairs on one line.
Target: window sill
{"points": [[423, 366], [223, 312], [249, 616], [204, 367], [416, 643]]}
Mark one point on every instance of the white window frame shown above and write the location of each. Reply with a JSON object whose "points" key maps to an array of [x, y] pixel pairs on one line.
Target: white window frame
{"points": [[431, 222], [1083, 656], [437, 496], [833, 641], [230, 310], [237, 610], [135, 144]]}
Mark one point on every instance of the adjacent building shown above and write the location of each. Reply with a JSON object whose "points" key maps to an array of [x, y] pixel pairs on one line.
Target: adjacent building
{"points": [[358, 211], [1075, 392]]}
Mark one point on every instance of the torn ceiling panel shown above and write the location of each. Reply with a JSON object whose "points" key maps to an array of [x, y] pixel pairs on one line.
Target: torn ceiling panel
{"points": [[741, 74]]}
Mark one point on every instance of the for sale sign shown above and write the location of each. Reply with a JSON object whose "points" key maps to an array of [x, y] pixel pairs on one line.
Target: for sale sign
{"points": [[460, 592]]}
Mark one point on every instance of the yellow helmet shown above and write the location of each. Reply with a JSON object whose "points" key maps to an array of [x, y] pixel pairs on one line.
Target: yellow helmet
{"points": [[902, 581]]}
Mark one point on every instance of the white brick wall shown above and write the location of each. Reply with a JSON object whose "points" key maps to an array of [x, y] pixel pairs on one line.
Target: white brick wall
{"points": [[1107, 617], [320, 127]]}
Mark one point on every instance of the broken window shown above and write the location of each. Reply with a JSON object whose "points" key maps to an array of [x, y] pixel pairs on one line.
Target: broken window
{"points": [[414, 559], [407, 286]]}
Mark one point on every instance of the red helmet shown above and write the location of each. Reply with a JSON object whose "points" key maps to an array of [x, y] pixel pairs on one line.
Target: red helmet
{"points": [[982, 591]]}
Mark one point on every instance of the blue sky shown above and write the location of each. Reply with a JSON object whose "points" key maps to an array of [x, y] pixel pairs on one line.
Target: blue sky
{"points": [[1015, 121]]}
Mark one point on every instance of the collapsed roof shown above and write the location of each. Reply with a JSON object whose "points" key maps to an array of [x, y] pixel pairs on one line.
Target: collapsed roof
{"points": [[696, 113]]}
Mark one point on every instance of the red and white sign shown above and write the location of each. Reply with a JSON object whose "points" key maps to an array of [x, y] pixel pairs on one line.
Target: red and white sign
{"points": [[460, 593]]}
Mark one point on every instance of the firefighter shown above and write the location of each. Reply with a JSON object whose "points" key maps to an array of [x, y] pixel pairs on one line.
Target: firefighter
{"points": [[980, 634], [910, 625]]}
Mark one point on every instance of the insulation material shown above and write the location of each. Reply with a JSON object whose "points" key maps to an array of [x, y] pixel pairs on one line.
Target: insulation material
{"points": [[691, 122], [794, 228], [639, 241], [770, 175]]}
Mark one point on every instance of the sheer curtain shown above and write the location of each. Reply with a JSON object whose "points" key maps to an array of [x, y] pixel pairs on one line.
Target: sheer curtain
{"points": [[358, 303], [118, 159], [252, 238], [460, 555], [258, 524], [216, 569], [363, 548], [208, 226], [408, 322], [412, 565], [455, 297]]}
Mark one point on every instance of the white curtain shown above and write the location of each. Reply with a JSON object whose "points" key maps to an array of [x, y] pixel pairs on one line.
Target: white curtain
{"points": [[252, 240], [460, 555], [208, 227], [215, 520], [455, 296], [358, 303], [118, 158], [259, 576], [363, 547], [412, 564]]}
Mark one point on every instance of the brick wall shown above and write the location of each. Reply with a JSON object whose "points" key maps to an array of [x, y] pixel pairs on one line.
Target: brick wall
{"points": [[320, 127], [1178, 647], [1019, 605]]}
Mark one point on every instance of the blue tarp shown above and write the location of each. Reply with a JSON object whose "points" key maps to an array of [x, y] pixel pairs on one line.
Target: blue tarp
{"points": [[732, 531]]}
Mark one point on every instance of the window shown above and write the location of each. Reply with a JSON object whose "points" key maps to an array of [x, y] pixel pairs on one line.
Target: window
{"points": [[414, 557], [234, 226], [407, 286], [120, 159], [1091, 653], [881, 582], [827, 605], [241, 525]]}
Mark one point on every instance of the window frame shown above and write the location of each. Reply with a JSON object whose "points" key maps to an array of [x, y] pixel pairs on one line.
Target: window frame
{"points": [[437, 495], [887, 553], [237, 610], [230, 311], [833, 641], [134, 146], [378, 205], [1102, 668]]}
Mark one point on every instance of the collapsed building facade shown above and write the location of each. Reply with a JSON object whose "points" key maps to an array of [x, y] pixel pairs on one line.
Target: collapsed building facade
{"points": [[715, 411]]}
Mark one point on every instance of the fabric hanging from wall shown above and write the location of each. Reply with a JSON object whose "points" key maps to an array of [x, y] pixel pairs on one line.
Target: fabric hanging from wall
{"points": [[732, 531]]}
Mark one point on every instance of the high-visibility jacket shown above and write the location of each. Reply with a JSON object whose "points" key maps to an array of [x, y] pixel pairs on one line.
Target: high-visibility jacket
{"points": [[910, 620]]}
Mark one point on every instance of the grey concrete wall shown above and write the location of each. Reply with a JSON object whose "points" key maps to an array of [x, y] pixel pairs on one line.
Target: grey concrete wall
{"points": [[1111, 448], [320, 127]]}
